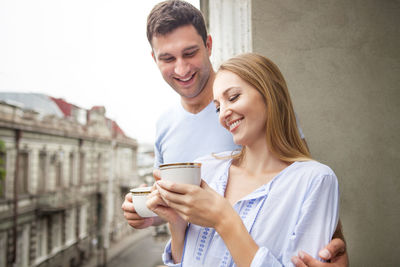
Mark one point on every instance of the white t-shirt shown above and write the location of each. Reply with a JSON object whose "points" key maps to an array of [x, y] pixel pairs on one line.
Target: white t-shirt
{"points": [[182, 136]]}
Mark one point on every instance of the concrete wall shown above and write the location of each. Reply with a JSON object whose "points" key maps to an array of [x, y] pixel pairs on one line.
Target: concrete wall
{"points": [[342, 63]]}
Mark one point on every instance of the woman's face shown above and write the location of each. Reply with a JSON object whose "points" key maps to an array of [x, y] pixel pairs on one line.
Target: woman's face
{"points": [[241, 108]]}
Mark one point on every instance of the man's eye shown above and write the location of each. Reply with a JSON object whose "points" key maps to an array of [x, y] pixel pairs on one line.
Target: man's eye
{"points": [[190, 54], [167, 59], [217, 109], [233, 98]]}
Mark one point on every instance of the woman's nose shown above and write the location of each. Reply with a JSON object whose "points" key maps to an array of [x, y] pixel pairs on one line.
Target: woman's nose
{"points": [[224, 113]]}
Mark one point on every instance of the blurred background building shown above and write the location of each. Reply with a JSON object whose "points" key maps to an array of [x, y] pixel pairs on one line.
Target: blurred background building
{"points": [[66, 172]]}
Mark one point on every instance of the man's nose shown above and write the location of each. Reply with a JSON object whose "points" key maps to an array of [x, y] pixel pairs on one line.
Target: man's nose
{"points": [[182, 68]]}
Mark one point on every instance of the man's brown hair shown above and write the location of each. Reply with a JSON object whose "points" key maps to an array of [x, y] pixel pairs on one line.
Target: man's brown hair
{"points": [[169, 15]]}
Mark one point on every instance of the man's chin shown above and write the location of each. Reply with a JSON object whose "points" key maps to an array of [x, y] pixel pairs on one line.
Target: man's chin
{"points": [[188, 95]]}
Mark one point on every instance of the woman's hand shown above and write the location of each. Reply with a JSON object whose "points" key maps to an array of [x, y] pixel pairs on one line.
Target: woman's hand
{"points": [[200, 205], [157, 205]]}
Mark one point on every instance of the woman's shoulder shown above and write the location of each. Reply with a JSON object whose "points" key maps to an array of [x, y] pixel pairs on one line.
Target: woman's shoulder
{"points": [[313, 168]]}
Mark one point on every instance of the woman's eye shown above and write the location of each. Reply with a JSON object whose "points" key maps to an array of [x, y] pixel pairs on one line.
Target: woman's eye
{"points": [[217, 109], [233, 98]]}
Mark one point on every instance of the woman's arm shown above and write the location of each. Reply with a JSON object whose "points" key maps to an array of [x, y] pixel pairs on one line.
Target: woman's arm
{"points": [[231, 229], [176, 224], [177, 240], [205, 207]]}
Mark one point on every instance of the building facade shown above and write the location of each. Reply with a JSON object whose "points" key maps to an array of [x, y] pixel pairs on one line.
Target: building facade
{"points": [[65, 179]]}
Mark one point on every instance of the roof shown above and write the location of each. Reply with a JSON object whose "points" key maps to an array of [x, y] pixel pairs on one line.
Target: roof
{"points": [[63, 105], [34, 101], [47, 105], [116, 129]]}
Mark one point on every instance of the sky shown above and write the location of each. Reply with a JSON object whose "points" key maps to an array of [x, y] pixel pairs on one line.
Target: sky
{"points": [[88, 52]]}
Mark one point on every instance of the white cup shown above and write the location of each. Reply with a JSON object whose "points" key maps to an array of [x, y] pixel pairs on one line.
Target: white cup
{"points": [[183, 173], [139, 198]]}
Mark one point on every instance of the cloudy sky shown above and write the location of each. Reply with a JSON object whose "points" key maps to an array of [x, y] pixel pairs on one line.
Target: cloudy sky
{"points": [[89, 52]]}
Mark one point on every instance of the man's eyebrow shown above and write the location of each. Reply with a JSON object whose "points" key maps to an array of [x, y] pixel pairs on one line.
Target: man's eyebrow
{"points": [[162, 55], [191, 48]]}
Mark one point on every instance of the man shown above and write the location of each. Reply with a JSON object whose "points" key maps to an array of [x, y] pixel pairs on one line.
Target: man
{"points": [[181, 49]]}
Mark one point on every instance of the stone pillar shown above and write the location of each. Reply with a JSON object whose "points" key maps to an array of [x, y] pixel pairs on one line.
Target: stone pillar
{"points": [[230, 28]]}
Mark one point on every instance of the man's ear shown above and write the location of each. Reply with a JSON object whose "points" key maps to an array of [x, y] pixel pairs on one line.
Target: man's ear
{"points": [[153, 56], [209, 45]]}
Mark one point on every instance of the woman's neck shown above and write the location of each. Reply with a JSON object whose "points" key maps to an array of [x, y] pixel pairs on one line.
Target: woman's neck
{"points": [[259, 160]]}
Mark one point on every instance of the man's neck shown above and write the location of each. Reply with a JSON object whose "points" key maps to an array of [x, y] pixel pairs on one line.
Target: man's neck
{"points": [[198, 103]]}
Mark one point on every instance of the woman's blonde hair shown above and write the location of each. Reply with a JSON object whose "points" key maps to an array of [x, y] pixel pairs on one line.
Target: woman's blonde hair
{"points": [[282, 134]]}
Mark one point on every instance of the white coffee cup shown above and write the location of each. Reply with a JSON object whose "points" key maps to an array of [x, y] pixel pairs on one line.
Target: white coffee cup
{"points": [[183, 173], [139, 198]]}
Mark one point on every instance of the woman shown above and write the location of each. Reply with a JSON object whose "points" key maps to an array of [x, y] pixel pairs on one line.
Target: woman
{"points": [[263, 205]]}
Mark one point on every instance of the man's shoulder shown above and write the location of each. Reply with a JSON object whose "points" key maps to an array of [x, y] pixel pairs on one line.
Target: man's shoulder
{"points": [[170, 115], [168, 111]]}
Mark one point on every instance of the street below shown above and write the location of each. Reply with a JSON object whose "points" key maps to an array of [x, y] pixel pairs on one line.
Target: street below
{"points": [[145, 252]]}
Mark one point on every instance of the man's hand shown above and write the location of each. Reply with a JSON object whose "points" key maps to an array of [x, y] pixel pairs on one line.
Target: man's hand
{"points": [[132, 217], [335, 252]]}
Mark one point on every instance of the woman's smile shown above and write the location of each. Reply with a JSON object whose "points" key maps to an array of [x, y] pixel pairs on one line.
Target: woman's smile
{"points": [[234, 125]]}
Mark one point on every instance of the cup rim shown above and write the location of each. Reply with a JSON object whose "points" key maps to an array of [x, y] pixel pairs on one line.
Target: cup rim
{"points": [[183, 164], [141, 190]]}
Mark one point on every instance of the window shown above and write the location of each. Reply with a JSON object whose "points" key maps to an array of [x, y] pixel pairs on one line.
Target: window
{"points": [[3, 249], [56, 233], [42, 171], [2, 171], [81, 168], [23, 247], [71, 168], [23, 172], [99, 167], [70, 226], [57, 160], [83, 221], [41, 241]]}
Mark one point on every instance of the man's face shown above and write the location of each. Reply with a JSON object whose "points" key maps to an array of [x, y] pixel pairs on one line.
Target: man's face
{"points": [[183, 60]]}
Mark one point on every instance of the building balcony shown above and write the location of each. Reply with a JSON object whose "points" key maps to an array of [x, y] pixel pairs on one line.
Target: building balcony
{"points": [[57, 201]]}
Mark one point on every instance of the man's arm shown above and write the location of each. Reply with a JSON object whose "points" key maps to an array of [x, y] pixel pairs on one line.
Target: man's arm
{"points": [[335, 252]]}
